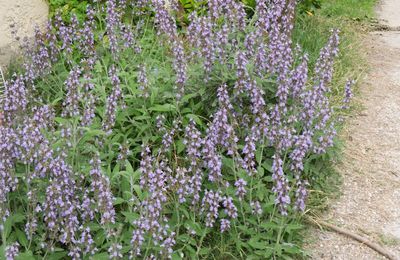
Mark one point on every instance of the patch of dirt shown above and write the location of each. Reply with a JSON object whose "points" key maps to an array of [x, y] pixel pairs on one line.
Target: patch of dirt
{"points": [[26, 14], [388, 11], [370, 200]]}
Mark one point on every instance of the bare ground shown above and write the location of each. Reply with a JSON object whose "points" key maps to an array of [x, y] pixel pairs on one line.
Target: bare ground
{"points": [[370, 200], [26, 14]]}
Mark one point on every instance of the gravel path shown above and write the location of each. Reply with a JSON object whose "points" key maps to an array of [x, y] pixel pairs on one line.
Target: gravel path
{"points": [[370, 200], [25, 14]]}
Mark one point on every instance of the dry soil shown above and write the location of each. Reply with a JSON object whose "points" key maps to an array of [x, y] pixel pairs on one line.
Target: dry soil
{"points": [[26, 14]]}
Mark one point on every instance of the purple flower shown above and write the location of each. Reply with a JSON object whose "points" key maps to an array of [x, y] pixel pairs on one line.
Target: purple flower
{"points": [[348, 93], [299, 78], [201, 37], [112, 101], [281, 185], [194, 143], [12, 251], [165, 23], [112, 25], [210, 206], [180, 68], [115, 251], [241, 188], [100, 186], [124, 152], [184, 187], [256, 208], [143, 82], [219, 133], [167, 245], [60, 206], [301, 194], [15, 97], [72, 98], [225, 225], [230, 208]]}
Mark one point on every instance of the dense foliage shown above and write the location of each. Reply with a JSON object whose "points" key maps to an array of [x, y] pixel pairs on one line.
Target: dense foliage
{"points": [[78, 7], [131, 134]]}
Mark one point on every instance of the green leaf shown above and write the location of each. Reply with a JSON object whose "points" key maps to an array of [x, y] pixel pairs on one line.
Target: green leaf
{"points": [[118, 201], [205, 251], [101, 256], [58, 255], [163, 108], [21, 238], [130, 216], [25, 256], [254, 243], [17, 218]]}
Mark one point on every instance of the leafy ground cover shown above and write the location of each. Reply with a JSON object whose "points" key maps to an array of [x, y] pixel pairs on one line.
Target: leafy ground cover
{"points": [[135, 132]]}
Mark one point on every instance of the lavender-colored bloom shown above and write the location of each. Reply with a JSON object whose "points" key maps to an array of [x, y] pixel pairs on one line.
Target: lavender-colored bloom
{"points": [[348, 93], [7, 156], [324, 65], [115, 251], [143, 82], [146, 167], [165, 22], [250, 42], [87, 38], [232, 10], [225, 225], [87, 213], [112, 101], [100, 186], [138, 238], [221, 43], [299, 78], [72, 98], [261, 62], [180, 68], [15, 97], [249, 149], [75, 253], [220, 132], [38, 59], [65, 34], [89, 109], [230, 208], [281, 185], [201, 37], [167, 140], [12, 251], [160, 121], [124, 152], [213, 161], [301, 194], [210, 206], [167, 245], [184, 187], [242, 73], [241, 188], [112, 25], [60, 206], [127, 36], [302, 145], [154, 179], [193, 142], [256, 208]]}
